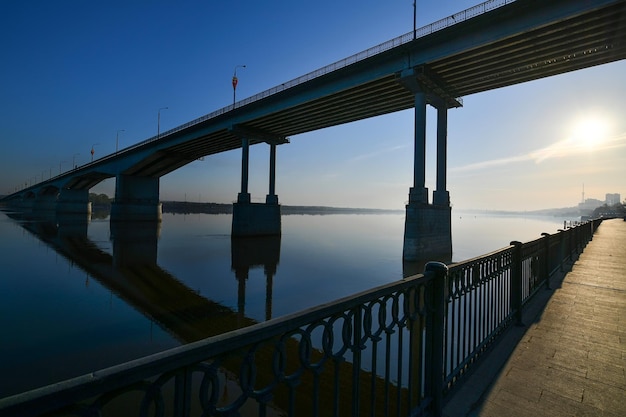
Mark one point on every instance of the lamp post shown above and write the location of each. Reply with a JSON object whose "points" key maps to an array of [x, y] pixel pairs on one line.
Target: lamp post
{"points": [[414, 20], [117, 138], [235, 81], [93, 151], [159, 122], [74, 160], [60, 163]]}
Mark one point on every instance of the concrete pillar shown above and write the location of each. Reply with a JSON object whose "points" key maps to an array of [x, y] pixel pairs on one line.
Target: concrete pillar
{"points": [[441, 197], [256, 219], [244, 195], [427, 228], [272, 198], [419, 193], [136, 199], [73, 201]]}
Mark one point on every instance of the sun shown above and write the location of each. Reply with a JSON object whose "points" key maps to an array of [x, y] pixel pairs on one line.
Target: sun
{"points": [[589, 133]]}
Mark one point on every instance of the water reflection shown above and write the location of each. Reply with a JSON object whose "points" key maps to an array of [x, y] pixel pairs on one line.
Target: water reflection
{"points": [[134, 243], [133, 274], [253, 252]]}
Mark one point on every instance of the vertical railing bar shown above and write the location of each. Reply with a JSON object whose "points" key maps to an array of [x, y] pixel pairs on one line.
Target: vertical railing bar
{"points": [[374, 377], [457, 320], [356, 359], [387, 370], [292, 400], [336, 388], [316, 394], [400, 356], [466, 318], [182, 396]]}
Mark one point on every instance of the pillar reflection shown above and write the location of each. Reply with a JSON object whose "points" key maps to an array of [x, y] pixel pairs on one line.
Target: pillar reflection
{"points": [[135, 243], [252, 252]]}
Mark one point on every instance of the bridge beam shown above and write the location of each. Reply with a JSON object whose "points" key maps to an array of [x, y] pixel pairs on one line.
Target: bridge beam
{"points": [[428, 227], [136, 199]]}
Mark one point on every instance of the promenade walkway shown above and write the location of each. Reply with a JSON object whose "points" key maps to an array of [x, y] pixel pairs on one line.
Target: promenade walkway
{"points": [[570, 358]]}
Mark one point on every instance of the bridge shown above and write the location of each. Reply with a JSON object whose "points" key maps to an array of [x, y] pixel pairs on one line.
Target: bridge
{"points": [[493, 45]]}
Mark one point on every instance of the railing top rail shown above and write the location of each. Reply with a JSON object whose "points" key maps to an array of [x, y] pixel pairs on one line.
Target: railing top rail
{"points": [[139, 369]]}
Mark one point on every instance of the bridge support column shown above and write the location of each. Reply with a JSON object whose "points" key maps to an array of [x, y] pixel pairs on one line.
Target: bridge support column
{"points": [[136, 199], [428, 227], [257, 219], [73, 201], [441, 197], [244, 195]]}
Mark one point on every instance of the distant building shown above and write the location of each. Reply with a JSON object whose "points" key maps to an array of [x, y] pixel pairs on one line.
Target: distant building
{"points": [[589, 205], [613, 199]]}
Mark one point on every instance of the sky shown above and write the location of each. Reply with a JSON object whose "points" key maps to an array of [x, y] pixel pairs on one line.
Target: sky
{"points": [[77, 75]]}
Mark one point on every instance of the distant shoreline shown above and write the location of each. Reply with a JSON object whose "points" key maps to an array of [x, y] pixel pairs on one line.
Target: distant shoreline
{"points": [[183, 207], [188, 207]]}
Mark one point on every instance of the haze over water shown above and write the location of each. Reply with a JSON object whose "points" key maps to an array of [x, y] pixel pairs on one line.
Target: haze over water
{"points": [[72, 304]]}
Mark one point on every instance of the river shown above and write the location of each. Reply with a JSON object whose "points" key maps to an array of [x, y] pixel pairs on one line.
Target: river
{"points": [[78, 295]]}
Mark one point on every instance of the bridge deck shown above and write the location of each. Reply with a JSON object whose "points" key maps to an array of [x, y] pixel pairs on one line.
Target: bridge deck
{"points": [[570, 359]]}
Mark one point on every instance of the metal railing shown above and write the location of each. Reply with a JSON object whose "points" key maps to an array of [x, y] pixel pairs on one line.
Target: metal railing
{"points": [[395, 350], [488, 293], [451, 20], [466, 14]]}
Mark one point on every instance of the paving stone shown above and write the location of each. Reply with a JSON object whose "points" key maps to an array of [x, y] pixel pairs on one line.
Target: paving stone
{"points": [[571, 359]]}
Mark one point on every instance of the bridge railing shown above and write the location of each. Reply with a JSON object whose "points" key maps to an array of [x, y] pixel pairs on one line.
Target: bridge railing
{"points": [[398, 349], [400, 40], [486, 294]]}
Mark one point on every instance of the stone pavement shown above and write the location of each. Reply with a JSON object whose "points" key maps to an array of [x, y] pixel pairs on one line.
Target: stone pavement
{"points": [[570, 358]]}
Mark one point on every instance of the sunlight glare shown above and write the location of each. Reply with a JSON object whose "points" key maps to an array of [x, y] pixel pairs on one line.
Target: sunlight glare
{"points": [[589, 133]]}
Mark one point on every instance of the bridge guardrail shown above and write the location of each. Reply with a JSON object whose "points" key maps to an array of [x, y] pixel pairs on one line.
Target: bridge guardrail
{"points": [[400, 40], [398, 349]]}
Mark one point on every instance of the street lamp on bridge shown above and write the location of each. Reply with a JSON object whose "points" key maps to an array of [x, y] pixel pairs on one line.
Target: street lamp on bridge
{"points": [[61, 163], [235, 81], [117, 139], [159, 121], [74, 160], [93, 151], [414, 20]]}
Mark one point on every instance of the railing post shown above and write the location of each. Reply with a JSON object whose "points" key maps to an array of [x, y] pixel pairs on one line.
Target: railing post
{"points": [[437, 332], [182, 394], [546, 257], [561, 249], [516, 282], [356, 361]]}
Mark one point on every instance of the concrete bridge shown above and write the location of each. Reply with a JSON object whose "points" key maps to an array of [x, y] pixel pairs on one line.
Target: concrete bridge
{"points": [[493, 45]]}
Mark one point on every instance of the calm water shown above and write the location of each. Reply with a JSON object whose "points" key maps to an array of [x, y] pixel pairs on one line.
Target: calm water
{"points": [[77, 295]]}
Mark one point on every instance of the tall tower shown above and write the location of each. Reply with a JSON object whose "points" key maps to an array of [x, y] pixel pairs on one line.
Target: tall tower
{"points": [[583, 193]]}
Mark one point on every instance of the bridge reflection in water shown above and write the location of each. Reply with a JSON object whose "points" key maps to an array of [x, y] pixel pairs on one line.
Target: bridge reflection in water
{"points": [[133, 274]]}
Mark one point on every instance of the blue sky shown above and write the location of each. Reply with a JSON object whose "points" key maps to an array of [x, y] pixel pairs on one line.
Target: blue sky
{"points": [[74, 73]]}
